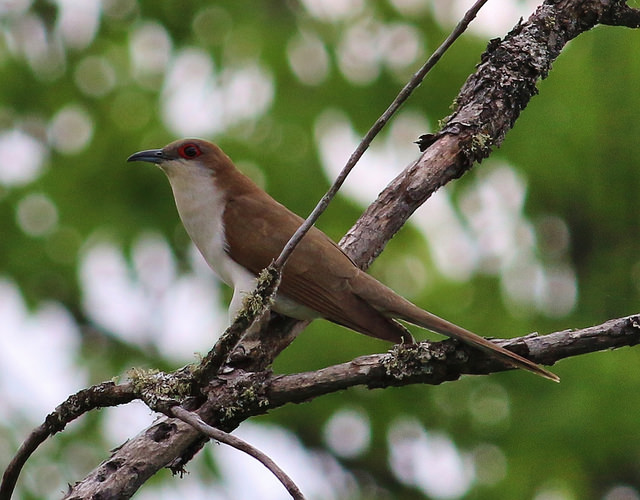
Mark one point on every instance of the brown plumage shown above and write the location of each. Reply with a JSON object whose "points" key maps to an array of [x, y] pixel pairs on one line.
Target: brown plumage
{"points": [[213, 197]]}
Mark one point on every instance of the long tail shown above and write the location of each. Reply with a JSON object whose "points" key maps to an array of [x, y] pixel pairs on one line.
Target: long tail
{"points": [[395, 306], [434, 323]]}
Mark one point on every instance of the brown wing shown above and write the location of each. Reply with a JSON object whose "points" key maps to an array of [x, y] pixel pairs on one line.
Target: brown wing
{"points": [[320, 281]]}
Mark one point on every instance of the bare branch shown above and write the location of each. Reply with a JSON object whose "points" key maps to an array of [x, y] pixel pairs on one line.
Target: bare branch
{"points": [[486, 108], [622, 15], [404, 94], [129, 467], [240, 395], [428, 363], [195, 421], [97, 396]]}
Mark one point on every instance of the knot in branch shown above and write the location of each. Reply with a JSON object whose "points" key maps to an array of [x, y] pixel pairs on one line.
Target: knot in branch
{"points": [[159, 390]]}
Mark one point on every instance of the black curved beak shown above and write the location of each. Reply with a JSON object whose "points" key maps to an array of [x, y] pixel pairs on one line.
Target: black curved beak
{"points": [[150, 155]]}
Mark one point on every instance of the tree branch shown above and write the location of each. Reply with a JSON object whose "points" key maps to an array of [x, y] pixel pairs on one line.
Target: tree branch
{"points": [[97, 396], [197, 423], [444, 361], [238, 395], [486, 109]]}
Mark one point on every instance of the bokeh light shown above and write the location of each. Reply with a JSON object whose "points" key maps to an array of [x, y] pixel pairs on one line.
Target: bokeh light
{"points": [[348, 432], [428, 461], [22, 158], [37, 215], [71, 130]]}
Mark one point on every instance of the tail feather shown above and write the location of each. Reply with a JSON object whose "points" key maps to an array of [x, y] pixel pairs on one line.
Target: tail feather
{"points": [[439, 325], [395, 306]]}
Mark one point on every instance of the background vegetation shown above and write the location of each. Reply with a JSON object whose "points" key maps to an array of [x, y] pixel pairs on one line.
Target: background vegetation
{"points": [[97, 275]]}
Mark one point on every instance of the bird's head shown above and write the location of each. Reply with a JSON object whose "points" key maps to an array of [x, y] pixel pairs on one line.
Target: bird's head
{"points": [[185, 157]]}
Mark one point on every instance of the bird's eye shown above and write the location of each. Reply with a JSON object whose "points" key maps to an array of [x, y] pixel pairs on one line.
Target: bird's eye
{"points": [[189, 151]]}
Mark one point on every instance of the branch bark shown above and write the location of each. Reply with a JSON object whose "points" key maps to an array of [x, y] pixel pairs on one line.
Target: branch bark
{"points": [[238, 395], [487, 107]]}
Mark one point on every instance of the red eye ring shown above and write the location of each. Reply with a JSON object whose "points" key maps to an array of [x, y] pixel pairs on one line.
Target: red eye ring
{"points": [[189, 151]]}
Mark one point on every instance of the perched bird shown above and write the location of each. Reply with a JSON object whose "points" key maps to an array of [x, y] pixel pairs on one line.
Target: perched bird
{"points": [[240, 229]]}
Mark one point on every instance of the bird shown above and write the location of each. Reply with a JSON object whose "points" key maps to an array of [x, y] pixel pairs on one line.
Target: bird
{"points": [[240, 229]]}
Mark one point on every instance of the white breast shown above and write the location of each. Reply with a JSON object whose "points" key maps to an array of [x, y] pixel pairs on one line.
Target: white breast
{"points": [[200, 205]]}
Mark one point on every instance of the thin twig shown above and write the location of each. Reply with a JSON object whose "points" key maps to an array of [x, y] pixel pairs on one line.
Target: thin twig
{"points": [[374, 130], [197, 423]]}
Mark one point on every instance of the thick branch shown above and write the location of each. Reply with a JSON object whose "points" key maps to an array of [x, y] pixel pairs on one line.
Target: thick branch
{"points": [[434, 365], [486, 108], [239, 395]]}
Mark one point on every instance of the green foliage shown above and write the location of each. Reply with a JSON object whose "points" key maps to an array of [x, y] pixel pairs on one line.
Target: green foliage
{"points": [[574, 149]]}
